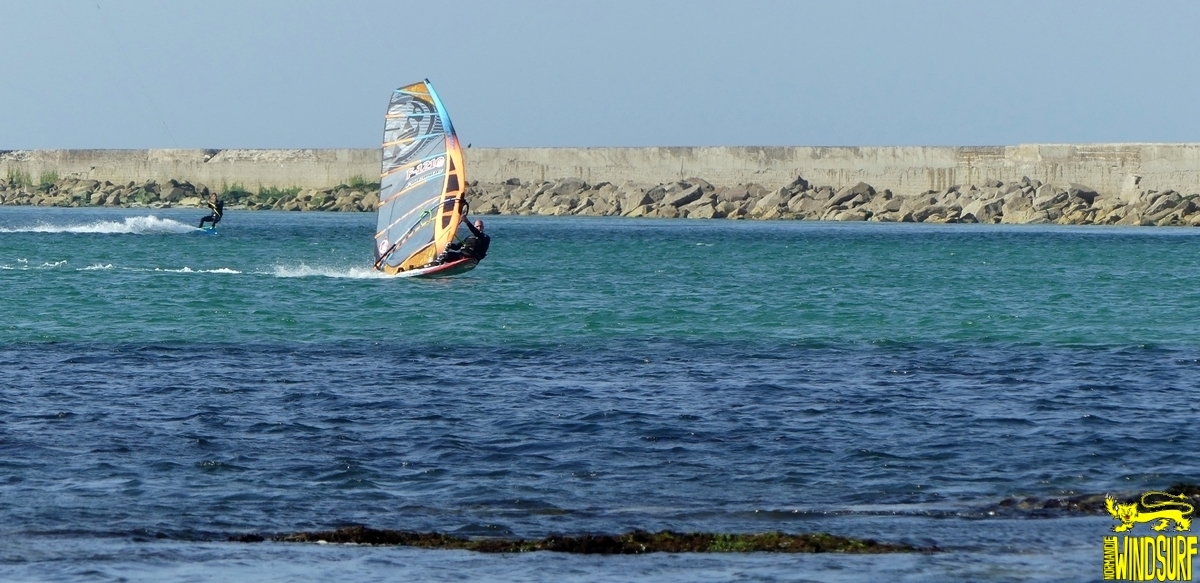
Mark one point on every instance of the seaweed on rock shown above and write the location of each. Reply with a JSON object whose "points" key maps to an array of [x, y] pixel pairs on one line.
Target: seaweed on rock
{"points": [[631, 543]]}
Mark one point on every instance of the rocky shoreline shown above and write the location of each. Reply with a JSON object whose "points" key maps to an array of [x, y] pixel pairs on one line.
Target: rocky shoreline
{"points": [[632, 543], [638, 541], [1026, 201]]}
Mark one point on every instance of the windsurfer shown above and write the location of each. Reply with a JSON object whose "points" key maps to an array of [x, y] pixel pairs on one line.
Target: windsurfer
{"points": [[217, 207], [474, 247]]}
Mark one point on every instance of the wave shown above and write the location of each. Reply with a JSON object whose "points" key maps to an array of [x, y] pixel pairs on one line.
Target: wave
{"points": [[190, 270], [23, 264], [303, 270], [146, 225]]}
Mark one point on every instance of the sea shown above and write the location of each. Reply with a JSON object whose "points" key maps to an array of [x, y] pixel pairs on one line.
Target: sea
{"points": [[163, 390]]}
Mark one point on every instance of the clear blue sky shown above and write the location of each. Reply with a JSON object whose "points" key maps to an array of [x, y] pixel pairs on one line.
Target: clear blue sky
{"points": [[317, 74]]}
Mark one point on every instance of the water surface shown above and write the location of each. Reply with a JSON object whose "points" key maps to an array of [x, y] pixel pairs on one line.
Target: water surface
{"points": [[163, 389]]}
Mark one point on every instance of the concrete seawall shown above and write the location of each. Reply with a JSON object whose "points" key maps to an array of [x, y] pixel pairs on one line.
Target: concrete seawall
{"points": [[1106, 168]]}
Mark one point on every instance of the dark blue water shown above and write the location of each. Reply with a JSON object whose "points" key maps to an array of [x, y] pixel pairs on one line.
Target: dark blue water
{"points": [[162, 390]]}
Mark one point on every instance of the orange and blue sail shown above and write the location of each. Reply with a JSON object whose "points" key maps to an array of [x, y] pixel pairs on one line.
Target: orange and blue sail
{"points": [[422, 181]]}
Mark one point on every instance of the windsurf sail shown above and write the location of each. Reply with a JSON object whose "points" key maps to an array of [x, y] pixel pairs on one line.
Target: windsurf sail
{"points": [[422, 181]]}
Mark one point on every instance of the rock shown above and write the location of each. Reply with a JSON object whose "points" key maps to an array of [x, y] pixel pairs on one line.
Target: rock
{"points": [[84, 187], [1165, 201], [684, 197], [1158, 217], [345, 203], [706, 211], [1047, 196], [772, 201], [913, 204], [1011, 188], [702, 183], [567, 201], [1078, 216], [98, 198], [805, 205], [857, 214], [849, 192], [755, 191], [950, 196], [993, 183], [1139, 221], [175, 193], [567, 186], [1133, 216], [1173, 218], [666, 212], [657, 193], [797, 185], [602, 206], [1083, 192], [728, 209], [934, 210], [984, 211], [1020, 216], [735, 194], [633, 198], [771, 213], [880, 205], [586, 209], [640, 211]]}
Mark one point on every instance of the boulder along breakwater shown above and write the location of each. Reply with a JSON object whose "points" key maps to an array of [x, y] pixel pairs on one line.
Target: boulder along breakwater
{"points": [[1122, 184]]}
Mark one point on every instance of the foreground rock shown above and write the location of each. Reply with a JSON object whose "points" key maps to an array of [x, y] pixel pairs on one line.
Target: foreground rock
{"points": [[1024, 202], [632, 543]]}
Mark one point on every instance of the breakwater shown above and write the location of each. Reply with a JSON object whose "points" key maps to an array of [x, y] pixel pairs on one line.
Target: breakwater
{"points": [[1136, 184]]}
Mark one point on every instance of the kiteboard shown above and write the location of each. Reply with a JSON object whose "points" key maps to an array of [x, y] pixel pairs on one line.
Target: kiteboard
{"points": [[422, 187], [207, 230]]}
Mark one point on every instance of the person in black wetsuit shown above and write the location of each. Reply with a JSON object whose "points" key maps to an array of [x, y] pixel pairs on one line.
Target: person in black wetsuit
{"points": [[217, 207], [474, 247]]}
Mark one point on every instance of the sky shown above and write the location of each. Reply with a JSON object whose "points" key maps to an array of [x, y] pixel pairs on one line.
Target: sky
{"points": [[590, 73]]}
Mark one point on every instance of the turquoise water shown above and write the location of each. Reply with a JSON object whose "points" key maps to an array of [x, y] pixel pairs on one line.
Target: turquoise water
{"points": [[164, 389], [272, 276]]}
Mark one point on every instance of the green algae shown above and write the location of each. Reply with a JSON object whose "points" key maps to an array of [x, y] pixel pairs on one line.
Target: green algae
{"points": [[631, 543]]}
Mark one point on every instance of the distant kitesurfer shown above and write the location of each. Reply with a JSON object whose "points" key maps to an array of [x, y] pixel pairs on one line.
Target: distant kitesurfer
{"points": [[217, 206], [473, 247]]}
